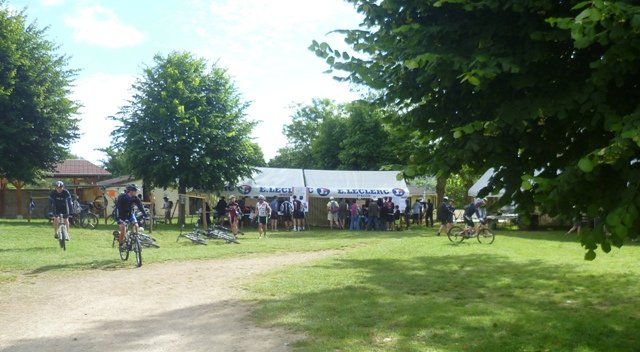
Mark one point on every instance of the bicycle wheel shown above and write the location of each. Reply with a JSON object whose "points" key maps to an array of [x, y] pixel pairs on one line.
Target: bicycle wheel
{"points": [[228, 237], [456, 234], [89, 221], [137, 249], [62, 236], [124, 250], [486, 236], [115, 234]]}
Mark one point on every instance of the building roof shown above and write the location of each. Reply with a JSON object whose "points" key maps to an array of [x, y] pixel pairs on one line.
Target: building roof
{"points": [[79, 168]]}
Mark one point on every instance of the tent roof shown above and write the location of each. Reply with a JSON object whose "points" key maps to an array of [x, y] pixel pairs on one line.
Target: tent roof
{"points": [[345, 183], [268, 176], [482, 182]]}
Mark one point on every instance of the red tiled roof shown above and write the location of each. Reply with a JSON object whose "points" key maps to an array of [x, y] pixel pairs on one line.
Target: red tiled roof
{"points": [[79, 167]]}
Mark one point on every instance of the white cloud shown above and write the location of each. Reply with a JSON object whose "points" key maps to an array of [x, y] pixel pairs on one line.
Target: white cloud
{"points": [[102, 96], [101, 26]]}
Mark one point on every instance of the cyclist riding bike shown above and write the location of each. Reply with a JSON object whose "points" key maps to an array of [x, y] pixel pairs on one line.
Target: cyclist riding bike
{"points": [[124, 210], [475, 208], [59, 203]]}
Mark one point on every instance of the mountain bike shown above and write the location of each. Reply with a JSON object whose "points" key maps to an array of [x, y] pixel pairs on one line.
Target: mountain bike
{"points": [[145, 240], [221, 233], [62, 233], [86, 218], [458, 233], [193, 236], [131, 243]]}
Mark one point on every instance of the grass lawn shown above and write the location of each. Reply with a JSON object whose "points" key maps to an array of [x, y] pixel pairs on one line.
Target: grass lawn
{"points": [[409, 291]]}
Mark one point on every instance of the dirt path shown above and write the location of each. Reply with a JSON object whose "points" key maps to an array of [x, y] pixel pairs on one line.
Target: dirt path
{"points": [[177, 307]]}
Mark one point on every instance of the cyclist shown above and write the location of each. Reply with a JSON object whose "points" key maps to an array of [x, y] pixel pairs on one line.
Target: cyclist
{"points": [[474, 208], [263, 210], [124, 209], [60, 203], [445, 215]]}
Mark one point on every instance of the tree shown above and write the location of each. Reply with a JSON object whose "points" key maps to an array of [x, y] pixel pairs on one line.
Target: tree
{"points": [[367, 143], [115, 162], [544, 91], [35, 108], [185, 127], [326, 135]]}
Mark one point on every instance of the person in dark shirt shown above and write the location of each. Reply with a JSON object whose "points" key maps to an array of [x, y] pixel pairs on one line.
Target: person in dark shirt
{"points": [[124, 209], [59, 203], [221, 210]]}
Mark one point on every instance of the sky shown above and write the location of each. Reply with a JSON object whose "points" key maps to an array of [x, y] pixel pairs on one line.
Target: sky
{"points": [[263, 44]]}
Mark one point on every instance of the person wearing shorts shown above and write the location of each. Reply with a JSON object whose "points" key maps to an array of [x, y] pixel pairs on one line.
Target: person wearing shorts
{"points": [[445, 215], [263, 210]]}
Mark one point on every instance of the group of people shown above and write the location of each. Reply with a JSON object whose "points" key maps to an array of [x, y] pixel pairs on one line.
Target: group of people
{"points": [[380, 214], [60, 203]]}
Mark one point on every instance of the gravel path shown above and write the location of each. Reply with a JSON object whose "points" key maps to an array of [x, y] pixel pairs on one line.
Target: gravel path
{"points": [[176, 307]]}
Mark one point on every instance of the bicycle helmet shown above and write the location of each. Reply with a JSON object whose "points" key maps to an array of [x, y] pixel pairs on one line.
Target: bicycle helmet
{"points": [[132, 187], [261, 197], [59, 184]]}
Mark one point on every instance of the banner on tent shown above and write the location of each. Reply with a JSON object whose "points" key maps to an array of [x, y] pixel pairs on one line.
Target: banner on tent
{"points": [[358, 192], [254, 191]]}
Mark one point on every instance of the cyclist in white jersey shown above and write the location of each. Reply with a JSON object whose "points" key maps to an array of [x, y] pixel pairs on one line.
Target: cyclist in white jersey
{"points": [[263, 210]]}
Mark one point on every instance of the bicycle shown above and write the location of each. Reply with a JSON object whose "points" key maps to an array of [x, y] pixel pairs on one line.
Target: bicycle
{"points": [[145, 240], [62, 233], [222, 233], [131, 243], [457, 234], [87, 218], [193, 236], [223, 228]]}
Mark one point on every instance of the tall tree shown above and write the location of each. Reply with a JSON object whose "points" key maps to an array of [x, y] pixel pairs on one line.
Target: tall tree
{"points": [[185, 127], [544, 91], [367, 143], [35, 108]]}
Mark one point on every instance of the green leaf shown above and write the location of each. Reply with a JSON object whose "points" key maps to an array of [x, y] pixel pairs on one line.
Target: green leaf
{"points": [[606, 247], [590, 255], [457, 134], [586, 165]]}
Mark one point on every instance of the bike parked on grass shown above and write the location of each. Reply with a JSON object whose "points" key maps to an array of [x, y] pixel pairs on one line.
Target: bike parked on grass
{"points": [[222, 233], [458, 233], [194, 236]]}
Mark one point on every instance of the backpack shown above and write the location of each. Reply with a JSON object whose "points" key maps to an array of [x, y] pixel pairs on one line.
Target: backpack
{"points": [[334, 206]]}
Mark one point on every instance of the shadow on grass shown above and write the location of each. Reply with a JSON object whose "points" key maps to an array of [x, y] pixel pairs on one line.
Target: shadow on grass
{"points": [[473, 302], [99, 264]]}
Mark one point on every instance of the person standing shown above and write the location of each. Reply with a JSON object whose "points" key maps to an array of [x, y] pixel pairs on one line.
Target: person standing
{"points": [[374, 213], [166, 207], [354, 224], [298, 214], [429, 213], [60, 203], [445, 215], [234, 215], [243, 211], [416, 211], [287, 212], [274, 214], [343, 208], [263, 210], [221, 209], [407, 213], [332, 212]]}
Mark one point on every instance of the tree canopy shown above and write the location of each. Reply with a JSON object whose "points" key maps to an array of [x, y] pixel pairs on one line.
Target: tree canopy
{"points": [[185, 126], [35, 108], [326, 135], [544, 91]]}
